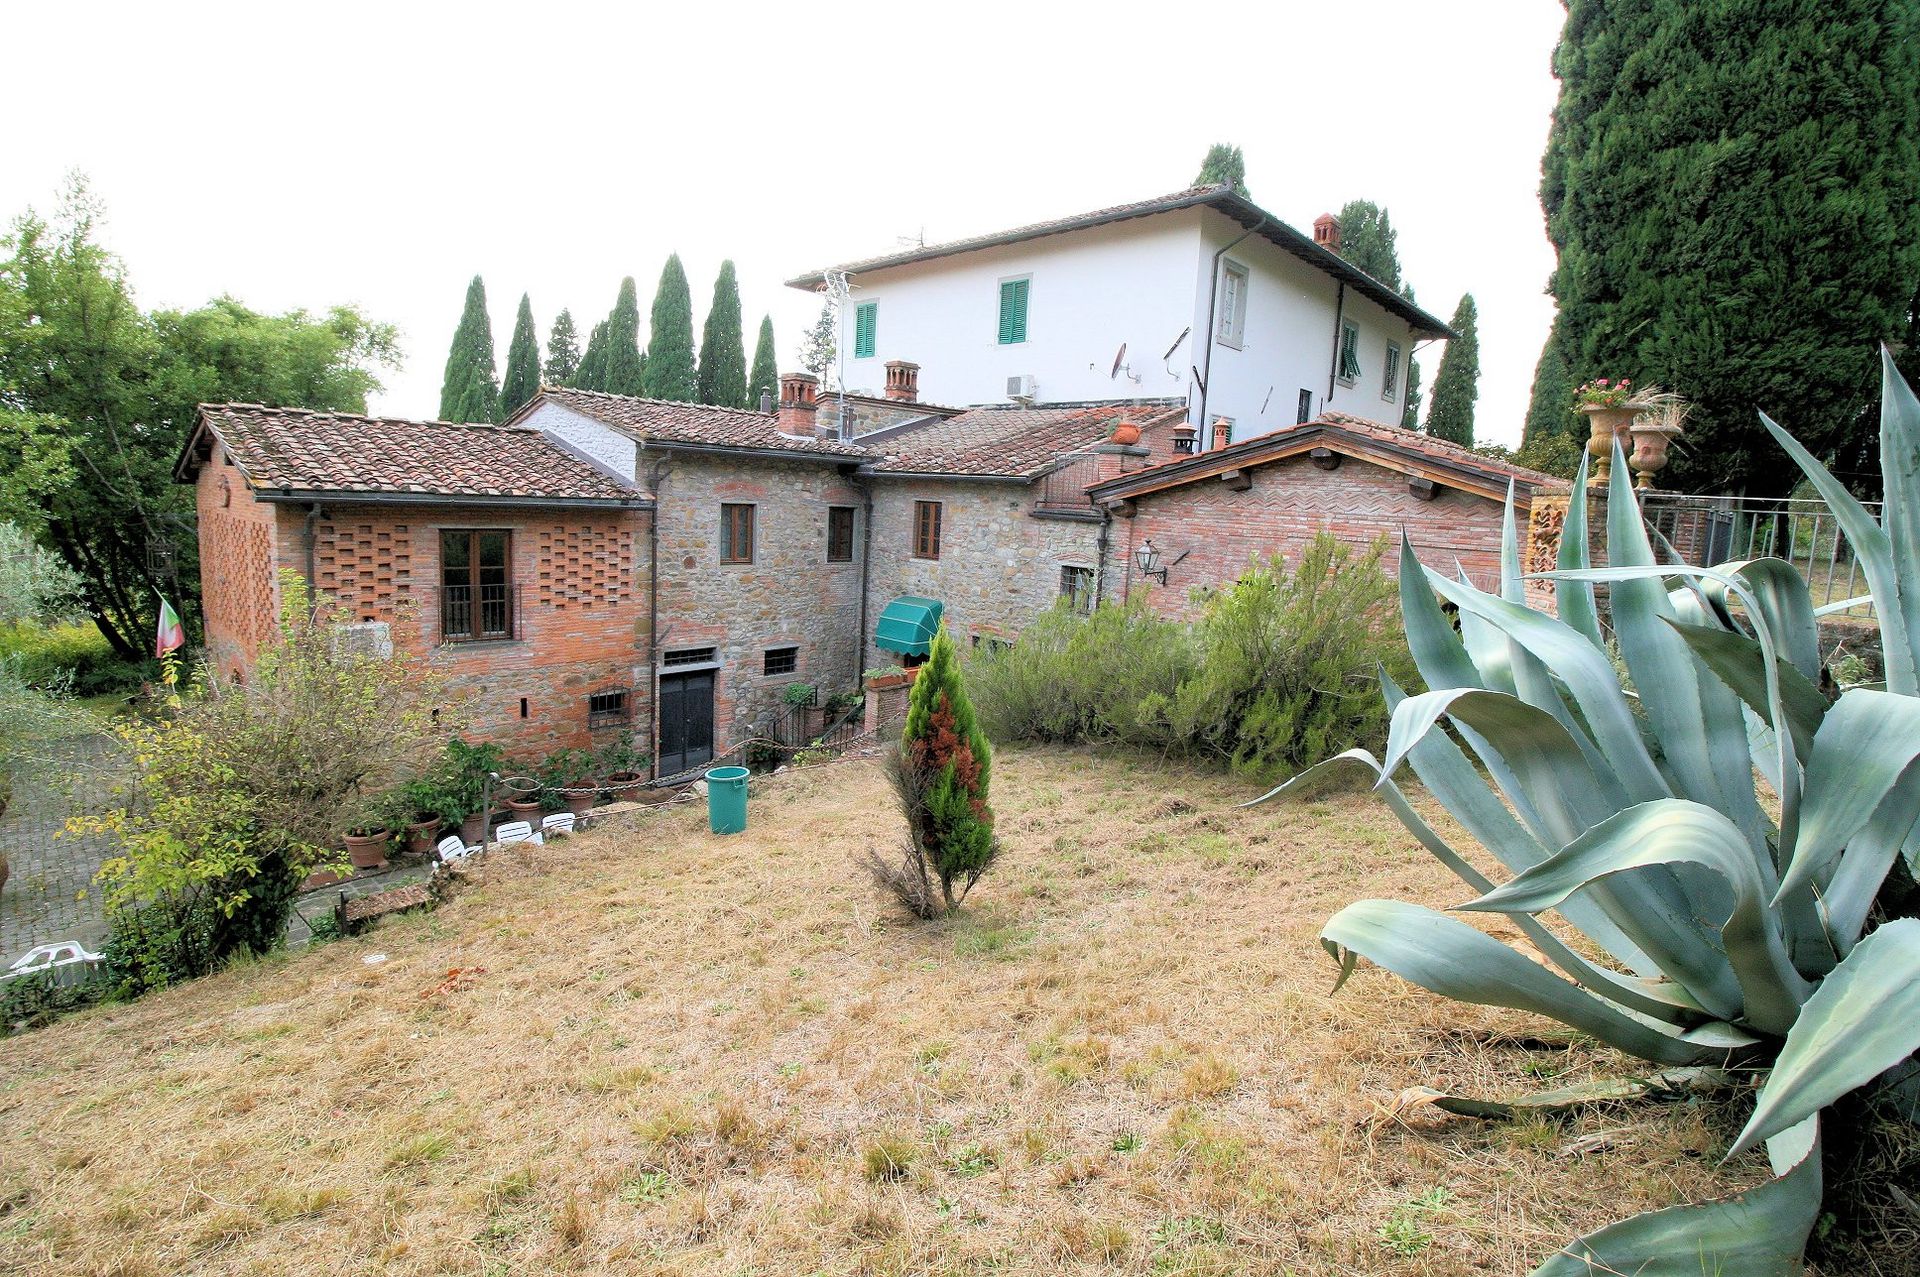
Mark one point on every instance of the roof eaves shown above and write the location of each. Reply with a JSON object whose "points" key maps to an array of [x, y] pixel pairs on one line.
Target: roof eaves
{"points": [[749, 450], [355, 496]]}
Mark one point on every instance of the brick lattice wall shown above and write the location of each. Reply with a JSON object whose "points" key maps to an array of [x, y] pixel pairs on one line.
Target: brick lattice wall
{"points": [[365, 563], [238, 599], [585, 567]]}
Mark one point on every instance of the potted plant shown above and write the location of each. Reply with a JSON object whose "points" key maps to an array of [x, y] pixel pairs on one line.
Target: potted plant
{"points": [[806, 698], [881, 677], [422, 806], [525, 797], [463, 775], [366, 836], [624, 767], [1611, 407], [569, 775]]}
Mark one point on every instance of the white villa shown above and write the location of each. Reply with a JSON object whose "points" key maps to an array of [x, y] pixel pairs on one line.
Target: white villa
{"points": [[1201, 294]]}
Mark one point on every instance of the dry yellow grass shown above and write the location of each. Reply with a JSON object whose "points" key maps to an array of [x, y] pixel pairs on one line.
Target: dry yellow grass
{"points": [[696, 1055]]}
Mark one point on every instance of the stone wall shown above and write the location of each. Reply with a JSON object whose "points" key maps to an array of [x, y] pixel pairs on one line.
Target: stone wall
{"points": [[1221, 530], [788, 596]]}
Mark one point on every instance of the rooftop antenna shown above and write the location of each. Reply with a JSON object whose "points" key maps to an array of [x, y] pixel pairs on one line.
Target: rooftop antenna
{"points": [[1167, 358], [1121, 365], [912, 241]]}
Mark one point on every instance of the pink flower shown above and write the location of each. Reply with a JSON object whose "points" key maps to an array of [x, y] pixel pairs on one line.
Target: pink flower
{"points": [[1601, 382]]}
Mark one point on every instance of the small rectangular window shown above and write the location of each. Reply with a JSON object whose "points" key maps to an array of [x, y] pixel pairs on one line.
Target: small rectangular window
{"points": [[1390, 379], [607, 708], [926, 529], [780, 660], [476, 585], [866, 318], [1013, 311], [1233, 305], [839, 534], [1349, 352], [1076, 586], [688, 656], [1304, 413], [736, 534]]}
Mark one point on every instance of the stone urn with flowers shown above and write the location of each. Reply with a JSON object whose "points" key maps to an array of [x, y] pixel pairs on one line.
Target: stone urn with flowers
{"points": [[1611, 407]]}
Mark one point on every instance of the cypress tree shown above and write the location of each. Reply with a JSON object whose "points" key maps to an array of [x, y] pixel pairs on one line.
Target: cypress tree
{"points": [[1457, 384], [766, 366], [670, 370], [1367, 240], [468, 391], [1551, 411], [622, 373], [942, 774], [1223, 166], [522, 381], [1741, 230], [592, 372], [1410, 415], [723, 357], [563, 350]]}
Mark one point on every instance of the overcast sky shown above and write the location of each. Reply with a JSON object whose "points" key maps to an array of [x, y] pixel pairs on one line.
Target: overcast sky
{"points": [[299, 156]]}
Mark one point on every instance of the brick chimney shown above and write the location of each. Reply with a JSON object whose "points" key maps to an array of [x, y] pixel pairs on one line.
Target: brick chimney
{"points": [[1326, 232], [903, 381], [1185, 439], [1222, 433], [799, 402]]}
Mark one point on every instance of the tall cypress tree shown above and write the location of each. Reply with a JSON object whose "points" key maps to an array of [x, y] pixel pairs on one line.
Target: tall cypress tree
{"points": [[563, 350], [1410, 415], [1457, 384], [1551, 411], [1740, 230], [765, 376], [670, 370], [1367, 240], [468, 391], [522, 381], [592, 372], [622, 374], [723, 356]]}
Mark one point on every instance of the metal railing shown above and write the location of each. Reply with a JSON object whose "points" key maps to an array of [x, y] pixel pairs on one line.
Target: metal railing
{"points": [[470, 614], [1064, 489], [1707, 530]]}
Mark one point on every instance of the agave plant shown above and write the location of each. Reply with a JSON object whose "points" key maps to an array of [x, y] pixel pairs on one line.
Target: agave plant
{"points": [[1720, 934]]}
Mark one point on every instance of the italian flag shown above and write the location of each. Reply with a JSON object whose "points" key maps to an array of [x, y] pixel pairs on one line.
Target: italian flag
{"points": [[170, 634]]}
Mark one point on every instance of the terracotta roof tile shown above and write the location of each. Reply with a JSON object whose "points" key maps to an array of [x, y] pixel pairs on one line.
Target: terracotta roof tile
{"points": [[294, 449], [1005, 442], [659, 420], [1440, 449]]}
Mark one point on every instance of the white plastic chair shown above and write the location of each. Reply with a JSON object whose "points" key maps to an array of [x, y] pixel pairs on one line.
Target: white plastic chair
{"points": [[452, 849], [64, 960], [516, 831], [557, 825]]}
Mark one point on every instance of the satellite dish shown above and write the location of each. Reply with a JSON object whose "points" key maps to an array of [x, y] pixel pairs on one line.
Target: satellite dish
{"points": [[1119, 356]]}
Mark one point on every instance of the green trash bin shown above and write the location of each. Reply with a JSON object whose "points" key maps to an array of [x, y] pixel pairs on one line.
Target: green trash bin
{"points": [[727, 800]]}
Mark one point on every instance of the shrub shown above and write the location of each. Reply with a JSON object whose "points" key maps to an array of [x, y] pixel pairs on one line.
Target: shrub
{"points": [[75, 657], [1108, 676], [940, 773]]}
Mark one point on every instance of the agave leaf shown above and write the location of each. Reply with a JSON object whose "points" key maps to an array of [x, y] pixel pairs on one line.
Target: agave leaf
{"points": [[1456, 961], [1870, 854], [1863, 748], [1760, 1233], [1669, 832], [1736, 660], [1575, 598], [1588, 676], [1437, 650], [1900, 476], [1842, 605], [1778, 590], [1862, 1020], [1665, 1084]]}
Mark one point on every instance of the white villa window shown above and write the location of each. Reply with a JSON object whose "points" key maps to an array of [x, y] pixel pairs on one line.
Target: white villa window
{"points": [[1390, 379], [1233, 305], [1349, 352]]}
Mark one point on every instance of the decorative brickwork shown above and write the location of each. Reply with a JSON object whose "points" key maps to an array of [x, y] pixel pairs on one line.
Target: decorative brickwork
{"points": [[585, 567], [238, 599], [365, 564]]}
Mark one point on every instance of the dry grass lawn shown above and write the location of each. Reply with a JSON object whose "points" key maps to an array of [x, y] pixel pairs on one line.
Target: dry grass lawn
{"points": [[668, 1052]]}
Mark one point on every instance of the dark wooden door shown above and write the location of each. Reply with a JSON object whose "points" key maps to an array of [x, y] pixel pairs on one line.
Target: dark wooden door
{"points": [[686, 721]]}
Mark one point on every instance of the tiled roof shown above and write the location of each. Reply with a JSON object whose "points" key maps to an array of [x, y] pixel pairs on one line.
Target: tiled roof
{"points": [[297, 450], [1012, 442], [662, 421], [1224, 198], [1451, 462]]}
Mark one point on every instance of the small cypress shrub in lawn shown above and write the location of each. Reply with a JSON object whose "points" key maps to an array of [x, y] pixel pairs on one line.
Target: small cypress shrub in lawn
{"points": [[940, 773]]}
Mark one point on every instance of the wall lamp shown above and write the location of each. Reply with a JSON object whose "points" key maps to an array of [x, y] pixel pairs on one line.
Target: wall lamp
{"points": [[1151, 565]]}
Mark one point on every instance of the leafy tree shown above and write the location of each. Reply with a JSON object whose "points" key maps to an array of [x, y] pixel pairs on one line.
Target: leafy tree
{"points": [[723, 356], [592, 372], [35, 583], [522, 381], [1367, 240], [1224, 166], [563, 350], [766, 366], [469, 391], [817, 346], [941, 774], [1550, 413], [670, 370], [1457, 385], [625, 370], [1740, 230], [96, 399]]}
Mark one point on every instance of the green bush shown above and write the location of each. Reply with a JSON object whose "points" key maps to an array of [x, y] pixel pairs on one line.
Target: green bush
{"points": [[76, 656], [1280, 671], [27, 1002]]}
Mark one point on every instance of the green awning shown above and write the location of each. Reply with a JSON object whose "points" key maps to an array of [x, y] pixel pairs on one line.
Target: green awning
{"points": [[908, 624]]}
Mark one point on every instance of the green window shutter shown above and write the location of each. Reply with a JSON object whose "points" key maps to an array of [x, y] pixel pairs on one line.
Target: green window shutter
{"points": [[1013, 312], [1349, 352], [865, 322]]}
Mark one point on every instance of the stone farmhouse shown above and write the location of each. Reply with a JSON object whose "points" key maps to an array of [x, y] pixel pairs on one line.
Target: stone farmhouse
{"points": [[602, 564]]}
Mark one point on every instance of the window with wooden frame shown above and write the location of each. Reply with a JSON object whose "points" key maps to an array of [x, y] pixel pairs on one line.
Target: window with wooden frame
{"points": [[926, 529], [1013, 310], [1076, 586], [866, 321], [839, 534], [1390, 379], [476, 584], [1233, 305], [1349, 352], [1304, 413], [736, 533]]}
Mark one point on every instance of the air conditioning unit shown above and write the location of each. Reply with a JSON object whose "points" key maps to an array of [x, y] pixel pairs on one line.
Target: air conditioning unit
{"points": [[1020, 388]]}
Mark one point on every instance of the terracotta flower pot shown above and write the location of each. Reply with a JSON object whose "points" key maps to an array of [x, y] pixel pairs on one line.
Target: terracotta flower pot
{"points": [[473, 830], [422, 834], [625, 785], [527, 809], [1605, 423], [1126, 433], [579, 804], [320, 878], [368, 851]]}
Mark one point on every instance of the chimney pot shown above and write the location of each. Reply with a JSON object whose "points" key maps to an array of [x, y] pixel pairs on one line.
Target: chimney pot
{"points": [[1184, 438], [766, 402], [903, 381], [1326, 232], [1222, 433], [799, 403]]}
